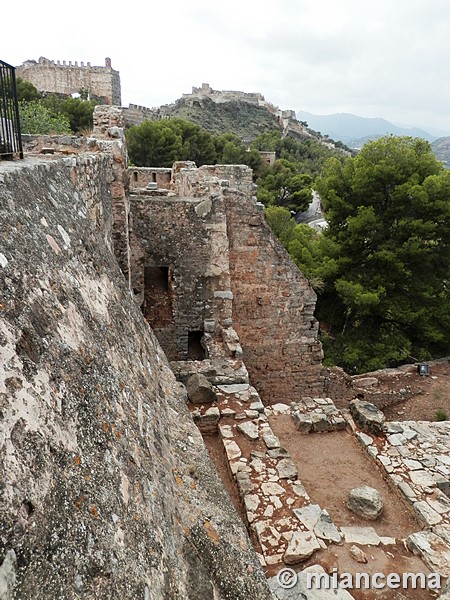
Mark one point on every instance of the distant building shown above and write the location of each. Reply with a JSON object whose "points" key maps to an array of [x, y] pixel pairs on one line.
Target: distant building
{"points": [[50, 76]]}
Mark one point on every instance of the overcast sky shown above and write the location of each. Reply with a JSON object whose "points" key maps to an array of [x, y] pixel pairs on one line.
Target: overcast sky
{"points": [[373, 58]]}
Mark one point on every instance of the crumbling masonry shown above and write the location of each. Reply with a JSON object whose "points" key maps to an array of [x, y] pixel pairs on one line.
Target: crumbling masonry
{"points": [[108, 490]]}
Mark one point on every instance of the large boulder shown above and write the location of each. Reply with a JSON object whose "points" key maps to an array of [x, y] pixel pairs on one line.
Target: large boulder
{"points": [[365, 502], [367, 416], [199, 390]]}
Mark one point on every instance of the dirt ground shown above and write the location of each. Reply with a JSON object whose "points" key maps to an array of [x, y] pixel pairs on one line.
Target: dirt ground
{"points": [[330, 465], [433, 394]]}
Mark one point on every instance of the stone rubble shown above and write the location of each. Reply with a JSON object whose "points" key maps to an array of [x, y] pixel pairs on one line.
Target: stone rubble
{"points": [[266, 477], [367, 416], [358, 554], [364, 536], [317, 415], [365, 502], [416, 458], [289, 529], [302, 591]]}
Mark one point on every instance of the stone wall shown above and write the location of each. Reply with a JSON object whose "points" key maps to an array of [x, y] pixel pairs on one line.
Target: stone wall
{"points": [[190, 181], [273, 308], [50, 76], [109, 131], [135, 114], [222, 265], [220, 96], [140, 177], [180, 269], [107, 488]]}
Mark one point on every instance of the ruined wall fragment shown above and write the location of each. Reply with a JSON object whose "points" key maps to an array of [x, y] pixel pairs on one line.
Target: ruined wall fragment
{"points": [[50, 76], [186, 240], [273, 307], [107, 489]]}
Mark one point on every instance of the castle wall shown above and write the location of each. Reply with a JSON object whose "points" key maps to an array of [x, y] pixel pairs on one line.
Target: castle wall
{"points": [[140, 177], [107, 488], [226, 267], [135, 114], [109, 131], [190, 181], [273, 308], [187, 239], [221, 96], [50, 76]]}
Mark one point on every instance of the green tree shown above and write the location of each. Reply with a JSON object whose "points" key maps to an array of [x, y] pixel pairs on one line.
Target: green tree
{"points": [[160, 143], [154, 144], [308, 154], [282, 185], [197, 144], [79, 113], [26, 90], [36, 118], [389, 231], [281, 222], [231, 150]]}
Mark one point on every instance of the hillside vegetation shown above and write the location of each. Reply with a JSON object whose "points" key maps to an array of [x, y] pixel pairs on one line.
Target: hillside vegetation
{"points": [[244, 119], [441, 148]]}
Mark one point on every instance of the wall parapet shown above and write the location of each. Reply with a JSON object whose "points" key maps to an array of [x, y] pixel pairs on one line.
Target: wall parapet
{"points": [[70, 77]]}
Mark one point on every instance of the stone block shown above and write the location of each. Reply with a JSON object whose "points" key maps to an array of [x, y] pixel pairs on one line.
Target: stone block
{"points": [[365, 502], [367, 416], [249, 429], [199, 390], [302, 545]]}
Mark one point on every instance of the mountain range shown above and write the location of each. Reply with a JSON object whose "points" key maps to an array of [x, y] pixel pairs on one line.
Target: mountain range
{"points": [[354, 131]]}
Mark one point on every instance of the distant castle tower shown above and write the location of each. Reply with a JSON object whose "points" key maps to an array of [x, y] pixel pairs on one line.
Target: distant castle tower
{"points": [[48, 76]]}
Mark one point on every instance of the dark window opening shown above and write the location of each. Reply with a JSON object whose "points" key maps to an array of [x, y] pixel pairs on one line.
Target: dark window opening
{"points": [[135, 175], [157, 306], [153, 177], [196, 351], [156, 277]]}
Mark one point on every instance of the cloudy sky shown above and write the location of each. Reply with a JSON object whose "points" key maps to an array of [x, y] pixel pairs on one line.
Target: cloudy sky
{"points": [[373, 58]]}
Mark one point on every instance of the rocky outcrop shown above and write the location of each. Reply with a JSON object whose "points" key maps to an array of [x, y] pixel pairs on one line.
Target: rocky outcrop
{"points": [[107, 488]]}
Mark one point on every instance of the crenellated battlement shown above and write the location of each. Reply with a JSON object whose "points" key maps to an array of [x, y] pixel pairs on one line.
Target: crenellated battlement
{"points": [[67, 77]]}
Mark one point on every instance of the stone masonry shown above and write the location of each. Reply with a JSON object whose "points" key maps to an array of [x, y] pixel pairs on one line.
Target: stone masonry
{"points": [[50, 76], [221, 269], [107, 488]]}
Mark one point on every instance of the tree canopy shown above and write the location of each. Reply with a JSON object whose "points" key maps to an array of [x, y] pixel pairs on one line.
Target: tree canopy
{"points": [[50, 113], [382, 268], [283, 185], [161, 143], [36, 118]]}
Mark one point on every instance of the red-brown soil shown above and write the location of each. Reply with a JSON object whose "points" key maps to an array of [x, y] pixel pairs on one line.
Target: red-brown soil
{"points": [[330, 464]]}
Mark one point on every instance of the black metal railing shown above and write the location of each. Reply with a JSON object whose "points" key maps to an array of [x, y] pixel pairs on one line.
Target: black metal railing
{"points": [[10, 140]]}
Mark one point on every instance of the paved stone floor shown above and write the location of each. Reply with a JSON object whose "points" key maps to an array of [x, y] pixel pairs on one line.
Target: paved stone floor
{"points": [[285, 526]]}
